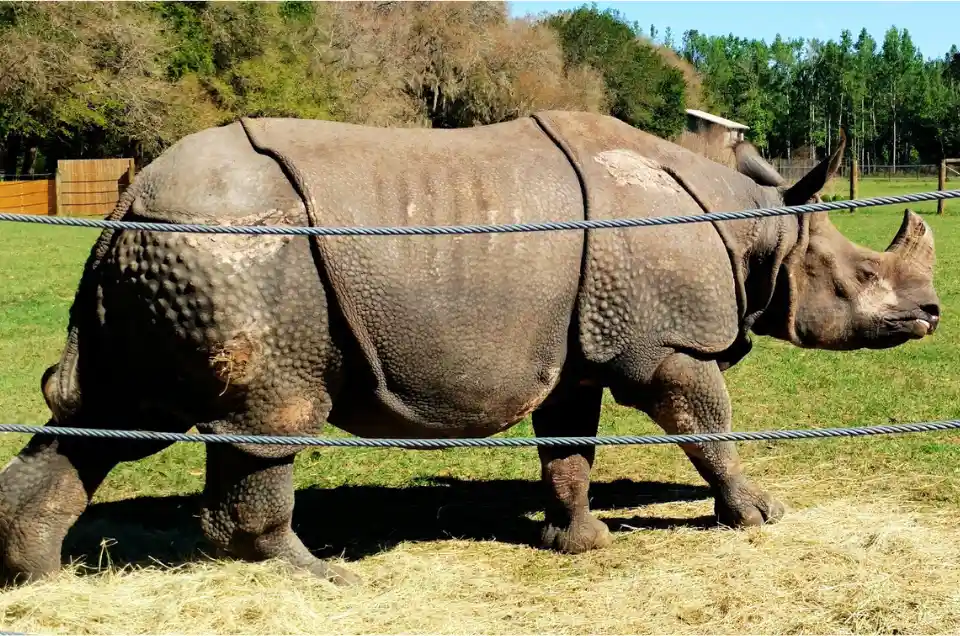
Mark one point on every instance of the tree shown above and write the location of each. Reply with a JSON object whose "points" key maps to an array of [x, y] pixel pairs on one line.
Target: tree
{"points": [[88, 77], [645, 91], [899, 68], [799, 92], [128, 79], [953, 64]]}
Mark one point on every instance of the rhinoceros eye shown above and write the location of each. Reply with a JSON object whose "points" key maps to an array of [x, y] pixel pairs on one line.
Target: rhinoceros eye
{"points": [[867, 271]]}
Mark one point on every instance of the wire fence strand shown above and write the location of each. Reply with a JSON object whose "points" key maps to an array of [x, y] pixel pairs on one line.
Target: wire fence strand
{"points": [[480, 442], [428, 230], [486, 442]]}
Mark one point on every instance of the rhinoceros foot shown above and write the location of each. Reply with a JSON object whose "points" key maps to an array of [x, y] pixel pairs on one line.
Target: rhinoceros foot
{"points": [[582, 535], [741, 503], [248, 512], [338, 575], [323, 570], [42, 492]]}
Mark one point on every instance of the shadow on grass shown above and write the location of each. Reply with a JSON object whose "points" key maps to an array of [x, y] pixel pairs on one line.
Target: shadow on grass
{"points": [[357, 521]]}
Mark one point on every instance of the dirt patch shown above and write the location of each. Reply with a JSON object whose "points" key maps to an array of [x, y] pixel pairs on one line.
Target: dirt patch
{"points": [[629, 168], [294, 417], [235, 361]]}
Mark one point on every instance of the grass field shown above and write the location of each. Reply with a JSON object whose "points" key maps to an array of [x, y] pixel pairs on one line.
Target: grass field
{"points": [[870, 542]]}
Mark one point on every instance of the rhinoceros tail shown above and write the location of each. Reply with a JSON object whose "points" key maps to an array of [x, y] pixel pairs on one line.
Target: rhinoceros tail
{"points": [[60, 383]]}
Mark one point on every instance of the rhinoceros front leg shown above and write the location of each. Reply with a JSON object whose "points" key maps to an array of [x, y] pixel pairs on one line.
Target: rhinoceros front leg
{"points": [[690, 396], [569, 526], [248, 510]]}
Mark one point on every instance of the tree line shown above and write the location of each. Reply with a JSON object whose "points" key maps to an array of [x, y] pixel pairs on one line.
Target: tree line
{"points": [[896, 107], [100, 79]]}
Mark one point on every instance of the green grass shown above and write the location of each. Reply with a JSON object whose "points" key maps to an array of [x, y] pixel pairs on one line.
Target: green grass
{"points": [[776, 386]]}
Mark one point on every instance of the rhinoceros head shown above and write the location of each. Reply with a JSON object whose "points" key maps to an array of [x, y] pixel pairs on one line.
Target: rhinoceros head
{"points": [[833, 294]]}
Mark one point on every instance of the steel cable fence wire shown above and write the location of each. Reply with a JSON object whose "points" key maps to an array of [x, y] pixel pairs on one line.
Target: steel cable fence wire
{"points": [[477, 229], [428, 230], [482, 442]]}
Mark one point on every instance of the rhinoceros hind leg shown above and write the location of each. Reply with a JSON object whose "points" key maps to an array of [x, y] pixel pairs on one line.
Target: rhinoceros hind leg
{"points": [[44, 489], [569, 526], [689, 396], [248, 510]]}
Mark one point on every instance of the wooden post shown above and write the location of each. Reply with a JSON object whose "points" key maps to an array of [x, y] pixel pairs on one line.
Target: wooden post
{"points": [[131, 172], [942, 185], [854, 180], [56, 190]]}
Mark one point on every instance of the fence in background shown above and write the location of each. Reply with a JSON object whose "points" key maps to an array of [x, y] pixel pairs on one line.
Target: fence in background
{"points": [[793, 170], [91, 187], [37, 196], [853, 172], [946, 167], [80, 187]]}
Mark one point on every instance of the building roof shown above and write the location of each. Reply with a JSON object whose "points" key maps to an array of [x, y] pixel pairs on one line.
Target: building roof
{"points": [[716, 119]]}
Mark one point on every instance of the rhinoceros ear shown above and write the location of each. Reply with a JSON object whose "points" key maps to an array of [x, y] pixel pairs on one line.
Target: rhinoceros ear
{"points": [[812, 182], [751, 164]]}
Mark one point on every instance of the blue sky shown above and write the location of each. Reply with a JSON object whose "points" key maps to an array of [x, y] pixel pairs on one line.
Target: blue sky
{"points": [[934, 26]]}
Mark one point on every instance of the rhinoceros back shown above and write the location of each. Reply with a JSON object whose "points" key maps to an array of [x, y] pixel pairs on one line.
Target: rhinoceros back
{"points": [[464, 334]]}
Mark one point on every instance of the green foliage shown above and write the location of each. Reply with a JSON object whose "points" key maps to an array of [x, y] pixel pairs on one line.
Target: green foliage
{"points": [[468, 65], [192, 51], [273, 85], [297, 11], [107, 79], [88, 79], [645, 91], [128, 79], [895, 107]]}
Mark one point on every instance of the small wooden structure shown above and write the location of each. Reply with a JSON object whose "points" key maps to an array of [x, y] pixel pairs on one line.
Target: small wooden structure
{"points": [[81, 187], [34, 196], [91, 187], [704, 123]]}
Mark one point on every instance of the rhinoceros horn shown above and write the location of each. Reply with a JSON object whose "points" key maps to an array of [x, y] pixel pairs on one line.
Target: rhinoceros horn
{"points": [[914, 241], [812, 182]]}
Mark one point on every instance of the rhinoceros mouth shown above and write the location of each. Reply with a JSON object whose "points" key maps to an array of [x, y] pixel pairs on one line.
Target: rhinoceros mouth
{"points": [[916, 324]]}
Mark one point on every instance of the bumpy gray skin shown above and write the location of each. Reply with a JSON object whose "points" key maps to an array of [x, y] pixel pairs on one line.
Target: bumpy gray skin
{"points": [[447, 336]]}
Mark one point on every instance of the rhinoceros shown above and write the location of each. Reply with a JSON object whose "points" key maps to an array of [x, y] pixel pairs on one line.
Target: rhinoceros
{"points": [[439, 336]]}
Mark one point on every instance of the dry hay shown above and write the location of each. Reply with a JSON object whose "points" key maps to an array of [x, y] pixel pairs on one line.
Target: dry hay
{"points": [[845, 567]]}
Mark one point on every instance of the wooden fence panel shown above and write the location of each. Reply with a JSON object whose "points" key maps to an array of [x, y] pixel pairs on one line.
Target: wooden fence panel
{"points": [[91, 187], [29, 197]]}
